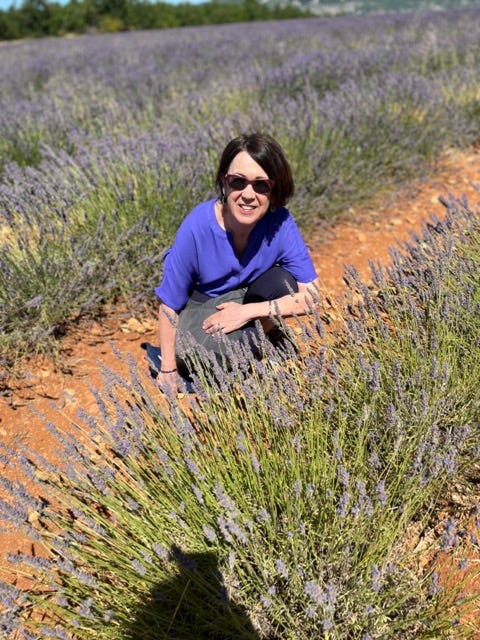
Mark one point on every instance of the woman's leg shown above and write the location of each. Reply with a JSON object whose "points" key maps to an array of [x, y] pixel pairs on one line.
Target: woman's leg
{"points": [[273, 284], [191, 335]]}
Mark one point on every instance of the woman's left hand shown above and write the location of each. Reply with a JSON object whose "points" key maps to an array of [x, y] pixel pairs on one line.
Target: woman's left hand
{"points": [[228, 317]]}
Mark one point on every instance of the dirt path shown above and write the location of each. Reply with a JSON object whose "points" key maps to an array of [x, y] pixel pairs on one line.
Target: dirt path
{"points": [[366, 234]]}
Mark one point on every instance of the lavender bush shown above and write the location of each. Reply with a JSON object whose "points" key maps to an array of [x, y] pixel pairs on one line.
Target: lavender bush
{"points": [[106, 141], [277, 502]]}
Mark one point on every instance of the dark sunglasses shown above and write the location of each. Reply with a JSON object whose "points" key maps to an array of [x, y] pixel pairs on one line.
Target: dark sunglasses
{"points": [[239, 183]]}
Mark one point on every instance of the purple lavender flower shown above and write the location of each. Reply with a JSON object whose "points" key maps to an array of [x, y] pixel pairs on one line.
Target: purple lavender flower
{"points": [[449, 537], [381, 494], [209, 533], [327, 625], [343, 503], [198, 494], [343, 476], [263, 515], [139, 567], [225, 501], [376, 578], [297, 488], [313, 591], [281, 568], [255, 462], [434, 587], [109, 615], [194, 468], [160, 550], [85, 608], [311, 611]]}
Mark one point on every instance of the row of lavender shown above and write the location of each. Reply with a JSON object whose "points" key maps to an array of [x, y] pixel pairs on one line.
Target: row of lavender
{"points": [[283, 501], [106, 141]]}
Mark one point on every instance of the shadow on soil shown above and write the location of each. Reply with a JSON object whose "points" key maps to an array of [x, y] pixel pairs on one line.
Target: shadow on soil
{"points": [[192, 605]]}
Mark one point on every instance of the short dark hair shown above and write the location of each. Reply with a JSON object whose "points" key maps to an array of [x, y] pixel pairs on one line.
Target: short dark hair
{"points": [[269, 155]]}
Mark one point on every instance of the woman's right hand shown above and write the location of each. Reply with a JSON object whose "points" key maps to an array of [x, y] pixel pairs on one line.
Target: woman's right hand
{"points": [[168, 382], [167, 379]]}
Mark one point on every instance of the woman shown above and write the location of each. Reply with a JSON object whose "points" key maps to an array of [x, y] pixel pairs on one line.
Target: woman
{"points": [[236, 259]]}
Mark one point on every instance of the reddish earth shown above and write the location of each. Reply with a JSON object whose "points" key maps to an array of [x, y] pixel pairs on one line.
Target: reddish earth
{"points": [[360, 235]]}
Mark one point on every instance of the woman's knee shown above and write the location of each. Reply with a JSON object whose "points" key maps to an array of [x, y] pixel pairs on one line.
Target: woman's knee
{"points": [[273, 284]]}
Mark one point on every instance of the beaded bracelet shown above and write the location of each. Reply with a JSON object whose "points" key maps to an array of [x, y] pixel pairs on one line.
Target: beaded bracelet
{"points": [[169, 371]]}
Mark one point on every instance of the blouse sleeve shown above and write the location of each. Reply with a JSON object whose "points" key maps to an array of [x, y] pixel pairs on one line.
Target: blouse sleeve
{"points": [[180, 270], [294, 254]]}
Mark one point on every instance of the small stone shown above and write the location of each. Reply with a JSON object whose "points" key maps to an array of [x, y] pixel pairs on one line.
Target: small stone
{"points": [[34, 519], [134, 325], [69, 396], [361, 237]]}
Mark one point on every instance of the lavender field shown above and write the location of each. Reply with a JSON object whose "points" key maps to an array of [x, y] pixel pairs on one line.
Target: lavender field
{"points": [[107, 141], [291, 498]]}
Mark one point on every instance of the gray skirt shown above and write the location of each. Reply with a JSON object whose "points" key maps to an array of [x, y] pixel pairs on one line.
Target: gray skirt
{"points": [[191, 335]]}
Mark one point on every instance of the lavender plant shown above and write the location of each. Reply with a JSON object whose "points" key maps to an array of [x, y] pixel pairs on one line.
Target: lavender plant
{"points": [[275, 502]]}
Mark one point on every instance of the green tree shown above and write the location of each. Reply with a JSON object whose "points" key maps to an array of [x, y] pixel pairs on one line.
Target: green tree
{"points": [[113, 8], [75, 17], [35, 17], [39, 18], [9, 25], [156, 16]]}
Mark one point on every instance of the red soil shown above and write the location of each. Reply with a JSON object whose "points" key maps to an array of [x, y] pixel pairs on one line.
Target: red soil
{"points": [[361, 235]]}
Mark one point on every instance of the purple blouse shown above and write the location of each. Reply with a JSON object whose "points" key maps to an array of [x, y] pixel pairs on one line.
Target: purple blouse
{"points": [[202, 256]]}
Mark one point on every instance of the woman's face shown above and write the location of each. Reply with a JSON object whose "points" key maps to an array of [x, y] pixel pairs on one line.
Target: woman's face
{"points": [[246, 206]]}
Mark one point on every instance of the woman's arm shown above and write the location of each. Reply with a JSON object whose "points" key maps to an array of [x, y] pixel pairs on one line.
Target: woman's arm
{"points": [[232, 315], [295, 304], [167, 326]]}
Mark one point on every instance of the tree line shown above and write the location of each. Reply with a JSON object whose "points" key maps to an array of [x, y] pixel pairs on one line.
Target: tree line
{"points": [[40, 18]]}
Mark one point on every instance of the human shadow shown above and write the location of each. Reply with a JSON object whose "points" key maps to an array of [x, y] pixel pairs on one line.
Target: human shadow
{"points": [[192, 605]]}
